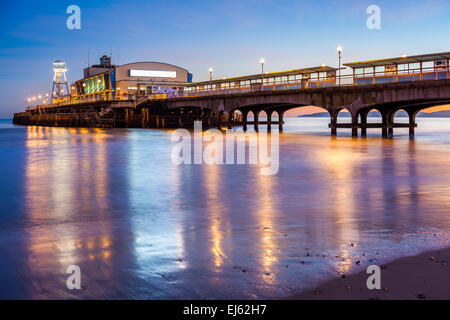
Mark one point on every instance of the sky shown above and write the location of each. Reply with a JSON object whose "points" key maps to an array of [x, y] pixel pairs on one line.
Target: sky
{"points": [[229, 36]]}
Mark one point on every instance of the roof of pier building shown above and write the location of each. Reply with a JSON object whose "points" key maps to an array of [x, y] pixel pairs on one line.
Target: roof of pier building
{"points": [[156, 71], [399, 60], [269, 75], [147, 70]]}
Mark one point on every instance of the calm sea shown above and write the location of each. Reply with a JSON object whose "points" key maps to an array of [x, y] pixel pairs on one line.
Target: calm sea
{"points": [[113, 203]]}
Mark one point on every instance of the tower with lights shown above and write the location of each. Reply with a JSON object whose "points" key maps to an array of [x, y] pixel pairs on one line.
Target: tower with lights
{"points": [[59, 80]]}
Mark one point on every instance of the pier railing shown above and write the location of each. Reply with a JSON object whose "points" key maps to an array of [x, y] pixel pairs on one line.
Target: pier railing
{"points": [[225, 88], [355, 79]]}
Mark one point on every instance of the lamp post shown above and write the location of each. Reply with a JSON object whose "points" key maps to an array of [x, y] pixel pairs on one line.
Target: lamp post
{"points": [[262, 71], [210, 78], [339, 50]]}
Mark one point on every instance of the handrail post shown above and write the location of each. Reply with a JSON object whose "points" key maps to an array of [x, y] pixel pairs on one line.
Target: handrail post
{"points": [[374, 77], [448, 68], [421, 71]]}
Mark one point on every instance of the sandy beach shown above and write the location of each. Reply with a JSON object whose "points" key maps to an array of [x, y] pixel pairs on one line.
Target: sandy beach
{"points": [[422, 277]]}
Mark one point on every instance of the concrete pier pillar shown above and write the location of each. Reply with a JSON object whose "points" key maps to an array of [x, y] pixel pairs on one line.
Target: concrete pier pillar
{"points": [[363, 123], [354, 125], [244, 121], [131, 117], [385, 124], [390, 123], [384, 131], [412, 122], [333, 129], [219, 121], [256, 120], [363, 132], [412, 126], [281, 121], [390, 131], [126, 117], [333, 123]]}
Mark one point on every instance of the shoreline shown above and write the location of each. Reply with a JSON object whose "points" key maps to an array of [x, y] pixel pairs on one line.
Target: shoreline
{"points": [[422, 277]]}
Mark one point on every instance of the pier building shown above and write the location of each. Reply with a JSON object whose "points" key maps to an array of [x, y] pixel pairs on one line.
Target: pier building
{"points": [[109, 82]]}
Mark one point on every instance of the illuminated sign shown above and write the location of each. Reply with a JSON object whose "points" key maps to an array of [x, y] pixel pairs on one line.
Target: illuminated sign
{"points": [[440, 65], [392, 69], [153, 73]]}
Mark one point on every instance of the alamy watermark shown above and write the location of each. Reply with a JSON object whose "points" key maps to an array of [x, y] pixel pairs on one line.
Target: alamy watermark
{"points": [[74, 20], [374, 19], [374, 281], [213, 147], [74, 280]]}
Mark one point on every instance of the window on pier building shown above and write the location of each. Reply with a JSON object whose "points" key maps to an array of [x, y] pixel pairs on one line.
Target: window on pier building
{"points": [[414, 67], [91, 85], [95, 85], [106, 81], [368, 71]]}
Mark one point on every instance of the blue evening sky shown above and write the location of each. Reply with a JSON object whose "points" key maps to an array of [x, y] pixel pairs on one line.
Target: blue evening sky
{"points": [[230, 36]]}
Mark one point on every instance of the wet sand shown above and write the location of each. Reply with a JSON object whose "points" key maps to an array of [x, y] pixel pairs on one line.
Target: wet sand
{"points": [[422, 277]]}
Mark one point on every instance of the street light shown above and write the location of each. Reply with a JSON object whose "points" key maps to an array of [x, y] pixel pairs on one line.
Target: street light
{"points": [[210, 78], [339, 50], [262, 70]]}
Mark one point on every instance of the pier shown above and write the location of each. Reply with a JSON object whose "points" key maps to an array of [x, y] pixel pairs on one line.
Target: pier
{"points": [[407, 83]]}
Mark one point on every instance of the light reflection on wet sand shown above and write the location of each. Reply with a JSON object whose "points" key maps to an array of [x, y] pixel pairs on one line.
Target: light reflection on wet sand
{"points": [[112, 202]]}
